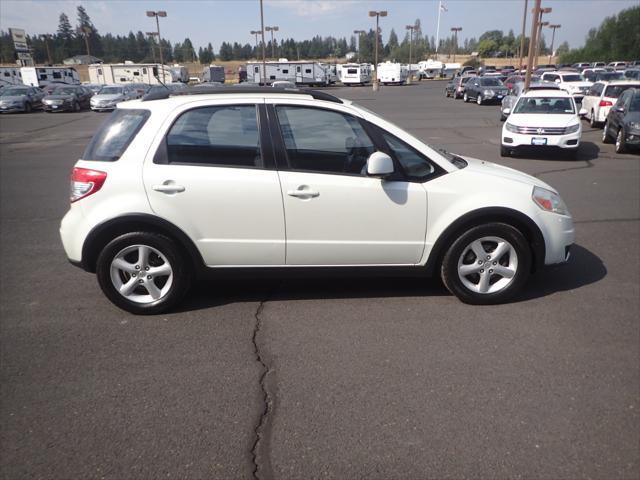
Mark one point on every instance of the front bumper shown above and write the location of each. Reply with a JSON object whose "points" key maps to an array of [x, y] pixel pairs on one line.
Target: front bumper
{"points": [[515, 140], [11, 108], [57, 108], [103, 108], [632, 139], [559, 235]]}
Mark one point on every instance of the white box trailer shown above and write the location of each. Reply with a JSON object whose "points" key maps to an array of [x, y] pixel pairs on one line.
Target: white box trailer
{"points": [[430, 69], [355, 73], [298, 72], [392, 73], [42, 76], [179, 73], [128, 72], [213, 73], [10, 75]]}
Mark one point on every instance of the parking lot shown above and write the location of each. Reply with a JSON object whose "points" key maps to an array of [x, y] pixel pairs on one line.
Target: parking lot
{"points": [[323, 377]]}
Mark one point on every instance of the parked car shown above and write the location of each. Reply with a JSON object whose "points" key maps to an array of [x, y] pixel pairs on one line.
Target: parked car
{"points": [[110, 95], [170, 188], [457, 86], [283, 84], [601, 97], [541, 120], [618, 65], [67, 98], [94, 87], [571, 82], [20, 99], [632, 74], [139, 89], [52, 85], [623, 122], [598, 64], [484, 90], [581, 65], [510, 100], [603, 76]]}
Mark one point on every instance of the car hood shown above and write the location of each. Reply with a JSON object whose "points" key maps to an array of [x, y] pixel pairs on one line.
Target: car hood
{"points": [[483, 167], [542, 120], [11, 98], [110, 96]]}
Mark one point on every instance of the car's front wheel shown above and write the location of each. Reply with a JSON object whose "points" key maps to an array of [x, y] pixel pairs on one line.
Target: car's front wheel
{"points": [[479, 99], [465, 97], [606, 138], [143, 272], [621, 144], [487, 264]]}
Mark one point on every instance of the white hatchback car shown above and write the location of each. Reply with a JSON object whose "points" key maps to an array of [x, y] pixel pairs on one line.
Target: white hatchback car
{"points": [[540, 120], [246, 178], [601, 97]]}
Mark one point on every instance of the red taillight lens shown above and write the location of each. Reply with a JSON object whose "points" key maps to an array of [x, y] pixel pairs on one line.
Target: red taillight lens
{"points": [[85, 182], [605, 103]]}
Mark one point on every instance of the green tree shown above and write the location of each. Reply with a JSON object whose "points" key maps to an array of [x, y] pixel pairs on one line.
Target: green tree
{"points": [[487, 47]]}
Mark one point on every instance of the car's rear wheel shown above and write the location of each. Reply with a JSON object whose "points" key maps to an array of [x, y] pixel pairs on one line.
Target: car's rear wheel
{"points": [[592, 120], [606, 138], [143, 273], [621, 144], [487, 264]]}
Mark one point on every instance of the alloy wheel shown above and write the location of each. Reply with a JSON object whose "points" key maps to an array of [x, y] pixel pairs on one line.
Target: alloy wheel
{"points": [[488, 265]]}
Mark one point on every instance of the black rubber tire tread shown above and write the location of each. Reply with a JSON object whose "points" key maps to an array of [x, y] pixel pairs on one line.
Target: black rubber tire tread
{"points": [[623, 144], [180, 265], [449, 267], [504, 151], [606, 138]]}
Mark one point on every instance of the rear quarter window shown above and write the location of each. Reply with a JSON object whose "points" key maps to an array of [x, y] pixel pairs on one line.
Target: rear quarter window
{"points": [[115, 134]]}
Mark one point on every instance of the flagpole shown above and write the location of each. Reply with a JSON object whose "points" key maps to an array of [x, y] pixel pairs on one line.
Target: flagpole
{"points": [[438, 28]]}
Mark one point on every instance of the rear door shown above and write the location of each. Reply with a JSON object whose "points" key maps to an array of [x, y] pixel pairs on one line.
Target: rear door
{"points": [[212, 176], [336, 214]]}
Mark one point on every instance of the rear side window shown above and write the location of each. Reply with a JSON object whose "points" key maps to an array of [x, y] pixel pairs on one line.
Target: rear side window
{"points": [[115, 135], [226, 136], [614, 91]]}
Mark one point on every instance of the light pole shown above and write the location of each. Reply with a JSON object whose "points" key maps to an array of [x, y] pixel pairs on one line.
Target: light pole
{"points": [[153, 44], [455, 31], [532, 43], [158, 14], [541, 11], [264, 53], [273, 45], [411, 28], [359, 33], [524, 26], [373, 13], [256, 33], [540, 25], [553, 37], [45, 37]]}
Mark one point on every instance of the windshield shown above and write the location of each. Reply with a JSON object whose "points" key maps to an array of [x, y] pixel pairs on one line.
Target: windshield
{"points": [[14, 92], [544, 105], [490, 82], [572, 78], [64, 91], [635, 103], [110, 90]]}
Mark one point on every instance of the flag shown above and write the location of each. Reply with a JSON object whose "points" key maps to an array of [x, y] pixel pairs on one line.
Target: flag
{"points": [[443, 7]]}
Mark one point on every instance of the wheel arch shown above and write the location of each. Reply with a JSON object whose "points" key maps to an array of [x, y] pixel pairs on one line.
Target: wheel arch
{"points": [[517, 219], [104, 232]]}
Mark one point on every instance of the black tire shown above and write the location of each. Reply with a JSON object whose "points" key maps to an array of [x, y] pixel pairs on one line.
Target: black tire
{"points": [[465, 97], [178, 261], [449, 267], [504, 151], [621, 141], [479, 99], [606, 138], [76, 107], [502, 117], [27, 108], [592, 120]]}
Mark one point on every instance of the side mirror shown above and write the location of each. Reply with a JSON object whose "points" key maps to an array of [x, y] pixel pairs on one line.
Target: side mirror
{"points": [[506, 111], [379, 164], [582, 112], [619, 108]]}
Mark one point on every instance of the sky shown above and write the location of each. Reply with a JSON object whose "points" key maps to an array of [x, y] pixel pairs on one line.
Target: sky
{"points": [[215, 21]]}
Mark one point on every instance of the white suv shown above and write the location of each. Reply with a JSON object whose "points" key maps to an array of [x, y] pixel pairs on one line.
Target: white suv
{"points": [[245, 178]]}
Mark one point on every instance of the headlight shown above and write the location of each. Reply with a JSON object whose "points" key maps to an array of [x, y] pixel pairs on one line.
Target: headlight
{"points": [[511, 128], [549, 201], [572, 128], [634, 126]]}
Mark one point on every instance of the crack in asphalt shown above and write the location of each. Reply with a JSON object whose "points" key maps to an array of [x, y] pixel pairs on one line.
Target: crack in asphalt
{"points": [[589, 164], [260, 448], [608, 220]]}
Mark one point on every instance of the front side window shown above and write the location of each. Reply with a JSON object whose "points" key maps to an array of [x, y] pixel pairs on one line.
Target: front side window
{"points": [[414, 164], [224, 136], [324, 141], [113, 138]]}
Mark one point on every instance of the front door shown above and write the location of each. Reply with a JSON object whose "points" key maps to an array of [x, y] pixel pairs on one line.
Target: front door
{"points": [[335, 214], [208, 178]]}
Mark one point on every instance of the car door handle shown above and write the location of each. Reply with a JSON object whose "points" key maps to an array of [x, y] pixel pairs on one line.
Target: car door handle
{"points": [[171, 188], [303, 193]]}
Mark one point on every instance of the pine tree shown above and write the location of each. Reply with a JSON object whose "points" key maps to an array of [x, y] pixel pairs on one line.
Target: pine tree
{"points": [[65, 31]]}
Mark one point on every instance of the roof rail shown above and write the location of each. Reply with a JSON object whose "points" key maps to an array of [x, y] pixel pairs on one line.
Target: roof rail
{"points": [[159, 95]]}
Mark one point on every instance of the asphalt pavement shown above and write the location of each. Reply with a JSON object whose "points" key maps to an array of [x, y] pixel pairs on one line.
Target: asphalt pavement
{"points": [[306, 378]]}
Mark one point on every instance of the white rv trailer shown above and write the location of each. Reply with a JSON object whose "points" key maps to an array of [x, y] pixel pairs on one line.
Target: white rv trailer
{"points": [[392, 73], [355, 73], [450, 69], [298, 72], [179, 73], [42, 76], [10, 75], [128, 72], [430, 69], [213, 73]]}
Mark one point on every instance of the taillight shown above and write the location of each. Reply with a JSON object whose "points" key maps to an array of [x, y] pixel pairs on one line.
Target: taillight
{"points": [[85, 182], [605, 103]]}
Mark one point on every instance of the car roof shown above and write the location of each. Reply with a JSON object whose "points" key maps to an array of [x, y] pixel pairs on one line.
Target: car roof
{"points": [[547, 93], [216, 92]]}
